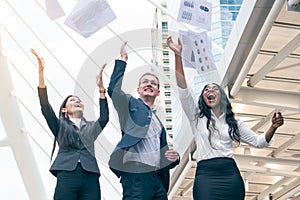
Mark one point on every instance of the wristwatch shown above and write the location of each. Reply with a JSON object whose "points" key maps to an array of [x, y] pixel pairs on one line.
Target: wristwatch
{"points": [[102, 90]]}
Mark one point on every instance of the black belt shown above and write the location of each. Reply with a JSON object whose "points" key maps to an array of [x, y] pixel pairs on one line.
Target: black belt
{"points": [[138, 167]]}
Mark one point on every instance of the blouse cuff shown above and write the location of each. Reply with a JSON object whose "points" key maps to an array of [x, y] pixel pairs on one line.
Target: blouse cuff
{"points": [[43, 96], [263, 142]]}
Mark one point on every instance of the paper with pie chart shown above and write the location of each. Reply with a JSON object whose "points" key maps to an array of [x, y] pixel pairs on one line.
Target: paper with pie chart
{"points": [[196, 52]]}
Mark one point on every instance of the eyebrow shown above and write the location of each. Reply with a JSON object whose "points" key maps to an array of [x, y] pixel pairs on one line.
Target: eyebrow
{"points": [[154, 79], [151, 80], [212, 86], [71, 98]]}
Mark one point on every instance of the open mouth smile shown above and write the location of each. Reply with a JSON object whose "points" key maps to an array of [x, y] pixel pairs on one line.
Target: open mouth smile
{"points": [[211, 98]]}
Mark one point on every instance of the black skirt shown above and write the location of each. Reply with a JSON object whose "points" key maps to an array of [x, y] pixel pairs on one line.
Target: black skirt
{"points": [[218, 179]]}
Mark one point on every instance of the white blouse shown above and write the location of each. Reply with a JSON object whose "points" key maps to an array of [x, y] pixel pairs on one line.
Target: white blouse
{"points": [[222, 144], [76, 121]]}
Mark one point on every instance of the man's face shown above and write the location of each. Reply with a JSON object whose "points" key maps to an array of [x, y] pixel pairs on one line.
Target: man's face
{"points": [[148, 86]]}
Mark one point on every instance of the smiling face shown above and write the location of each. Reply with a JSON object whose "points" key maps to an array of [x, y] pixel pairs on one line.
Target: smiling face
{"points": [[148, 86], [74, 107], [212, 95]]}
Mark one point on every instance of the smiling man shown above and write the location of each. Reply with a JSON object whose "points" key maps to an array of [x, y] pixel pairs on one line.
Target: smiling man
{"points": [[142, 159]]}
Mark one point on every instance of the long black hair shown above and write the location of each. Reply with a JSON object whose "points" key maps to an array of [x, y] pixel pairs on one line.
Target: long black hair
{"points": [[65, 136], [226, 108]]}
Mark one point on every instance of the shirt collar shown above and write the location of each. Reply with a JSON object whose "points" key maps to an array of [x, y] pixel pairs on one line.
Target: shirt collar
{"points": [[154, 109], [214, 116]]}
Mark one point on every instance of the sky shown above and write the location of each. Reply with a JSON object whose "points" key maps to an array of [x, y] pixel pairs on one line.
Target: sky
{"points": [[25, 25]]}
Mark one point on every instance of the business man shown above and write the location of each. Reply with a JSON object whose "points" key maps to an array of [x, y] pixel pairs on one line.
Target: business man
{"points": [[142, 158]]}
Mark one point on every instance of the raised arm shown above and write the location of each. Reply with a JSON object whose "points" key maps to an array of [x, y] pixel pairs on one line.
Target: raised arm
{"points": [[104, 113], [123, 52], [99, 82], [41, 69], [177, 49], [119, 98], [46, 108], [277, 121], [116, 78]]}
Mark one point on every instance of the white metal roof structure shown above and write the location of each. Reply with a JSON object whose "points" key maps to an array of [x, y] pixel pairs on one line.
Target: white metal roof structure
{"points": [[260, 67], [262, 60]]}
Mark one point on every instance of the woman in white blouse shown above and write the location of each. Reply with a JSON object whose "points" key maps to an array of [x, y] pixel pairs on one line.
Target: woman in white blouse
{"points": [[215, 128]]}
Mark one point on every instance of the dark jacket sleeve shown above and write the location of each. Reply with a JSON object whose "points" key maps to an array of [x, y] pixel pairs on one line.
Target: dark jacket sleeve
{"points": [[91, 130], [104, 113], [119, 98], [174, 164], [116, 78], [48, 112]]}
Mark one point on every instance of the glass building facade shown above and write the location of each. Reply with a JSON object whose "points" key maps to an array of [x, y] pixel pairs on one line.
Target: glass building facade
{"points": [[225, 13]]}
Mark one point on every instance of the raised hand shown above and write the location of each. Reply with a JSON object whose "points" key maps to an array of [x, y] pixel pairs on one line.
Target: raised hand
{"points": [[277, 120], [99, 79], [123, 52], [41, 68], [177, 48], [40, 60]]}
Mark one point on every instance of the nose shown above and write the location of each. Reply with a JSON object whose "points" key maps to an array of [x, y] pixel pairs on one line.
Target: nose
{"points": [[152, 83]]}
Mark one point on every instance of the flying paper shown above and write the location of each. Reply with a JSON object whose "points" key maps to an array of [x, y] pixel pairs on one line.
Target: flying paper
{"points": [[196, 12], [53, 9], [89, 16], [197, 51]]}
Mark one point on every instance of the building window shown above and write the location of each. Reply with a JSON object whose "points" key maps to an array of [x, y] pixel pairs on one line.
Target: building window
{"points": [[169, 120], [169, 128], [168, 102], [167, 87], [166, 69], [168, 110], [164, 25], [166, 61], [164, 5], [165, 53]]}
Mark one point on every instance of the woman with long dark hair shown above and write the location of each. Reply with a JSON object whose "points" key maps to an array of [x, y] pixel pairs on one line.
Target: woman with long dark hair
{"points": [[215, 129], [75, 165]]}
